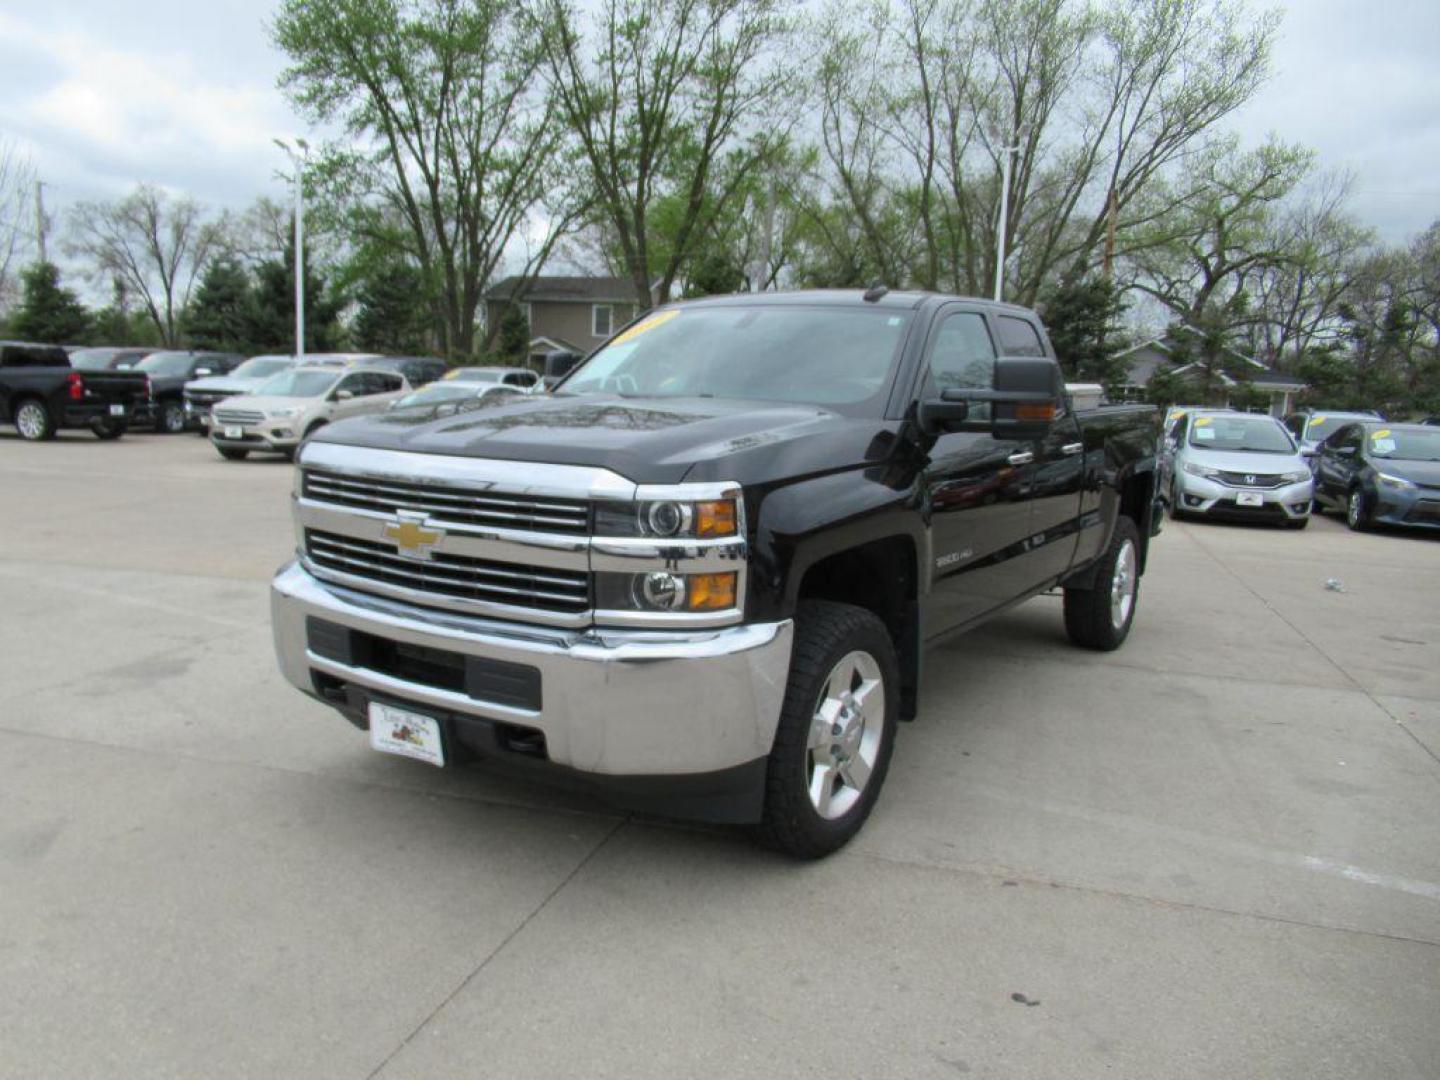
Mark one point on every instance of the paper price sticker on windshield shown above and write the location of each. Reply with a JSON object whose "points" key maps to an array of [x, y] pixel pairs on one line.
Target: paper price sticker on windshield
{"points": [[1205, 434], [1203, 421], [644, 327], [1382, 446], [1382, 433]]}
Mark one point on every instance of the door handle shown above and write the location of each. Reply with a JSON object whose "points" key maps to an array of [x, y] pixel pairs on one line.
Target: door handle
{"points": [[1072, 448], [1024, 457]]}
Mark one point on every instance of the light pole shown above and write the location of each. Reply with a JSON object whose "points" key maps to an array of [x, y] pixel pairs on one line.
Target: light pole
{"points": [[298, 160], [1006, 153]]}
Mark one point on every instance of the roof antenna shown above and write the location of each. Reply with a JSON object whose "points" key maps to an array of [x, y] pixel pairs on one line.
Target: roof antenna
{"points": [[875, 292]]}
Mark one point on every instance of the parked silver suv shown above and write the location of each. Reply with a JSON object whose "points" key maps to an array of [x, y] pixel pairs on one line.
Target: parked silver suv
{"points": [[281, 412], [1241, 465]]}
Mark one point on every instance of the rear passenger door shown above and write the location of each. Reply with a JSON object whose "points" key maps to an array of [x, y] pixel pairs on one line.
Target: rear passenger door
{"points": [[1058, 472]]}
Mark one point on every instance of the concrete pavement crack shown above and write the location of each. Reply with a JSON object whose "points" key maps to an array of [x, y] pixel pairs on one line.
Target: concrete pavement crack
{"points": [[1154, 901], [599, 845], [1325, 655]]}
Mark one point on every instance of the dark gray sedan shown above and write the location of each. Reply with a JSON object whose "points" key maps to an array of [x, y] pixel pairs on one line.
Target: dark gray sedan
{"points": [[1381, 473]]}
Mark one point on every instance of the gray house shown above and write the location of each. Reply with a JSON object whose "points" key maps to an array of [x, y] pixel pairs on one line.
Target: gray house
{"points": [[1237, 370], [571, 313]]}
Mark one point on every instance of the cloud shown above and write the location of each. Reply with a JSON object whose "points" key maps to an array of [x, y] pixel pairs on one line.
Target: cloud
{"points": [[98, 118]]}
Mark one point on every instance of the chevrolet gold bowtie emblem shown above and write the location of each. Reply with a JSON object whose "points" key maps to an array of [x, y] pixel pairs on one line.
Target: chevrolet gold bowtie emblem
{"points": [[411, 537]]}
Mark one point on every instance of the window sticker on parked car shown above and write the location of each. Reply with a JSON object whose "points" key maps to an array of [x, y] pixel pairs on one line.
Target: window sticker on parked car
{"points": [[1384, 432], [1204, 434], [1381, 446], [1203, 421]]}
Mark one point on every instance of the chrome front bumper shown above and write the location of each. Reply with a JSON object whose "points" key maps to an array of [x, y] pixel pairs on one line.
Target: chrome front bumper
{"points": [[612, 702]]}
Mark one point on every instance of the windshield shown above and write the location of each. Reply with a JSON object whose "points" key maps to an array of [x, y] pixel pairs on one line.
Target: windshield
{"points": [[165, 363], [1405, 444], [472, 375], [1261, 434], [821, 356], [92, 359], [437, 392], [1321, 427], [257, 367], [298, 384]]}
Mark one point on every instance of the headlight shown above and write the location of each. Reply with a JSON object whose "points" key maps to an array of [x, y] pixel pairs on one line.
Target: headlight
{"points": [[1398, 483], [282, 414], [1297, 476], [712, 519], [1200, 470], [661, 590]]}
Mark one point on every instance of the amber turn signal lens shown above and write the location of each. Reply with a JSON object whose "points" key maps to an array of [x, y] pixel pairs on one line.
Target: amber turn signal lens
{"points": [[1035, 412], [710, 592], [715, 518]]}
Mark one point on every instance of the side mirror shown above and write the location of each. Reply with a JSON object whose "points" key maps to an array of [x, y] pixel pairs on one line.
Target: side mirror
{"points": [[1309, 451], [1029, 393], [343, 395], [201, 372], [947, 414], [1345, 451], [560, 363]]}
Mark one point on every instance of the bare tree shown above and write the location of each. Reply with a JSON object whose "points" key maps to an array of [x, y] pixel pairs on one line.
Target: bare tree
{"points": [[17, 179], [1100, 101], [157, 245], [678, 100], [456, 144]]}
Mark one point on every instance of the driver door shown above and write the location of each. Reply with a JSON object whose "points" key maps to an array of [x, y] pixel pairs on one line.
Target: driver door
{"points": [[977, 489]]}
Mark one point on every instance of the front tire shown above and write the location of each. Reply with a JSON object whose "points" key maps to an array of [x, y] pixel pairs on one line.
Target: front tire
{"points": [[1357, 514], [836, 733], [1174, 501], [229, 453], [34, 421], [1100, 617]]}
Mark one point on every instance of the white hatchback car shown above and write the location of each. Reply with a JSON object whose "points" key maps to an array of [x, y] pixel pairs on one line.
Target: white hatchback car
{"points": [[278, 415]]}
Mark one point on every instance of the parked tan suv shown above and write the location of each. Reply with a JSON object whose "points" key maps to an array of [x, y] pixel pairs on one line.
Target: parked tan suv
{"points": [[282, 411]]}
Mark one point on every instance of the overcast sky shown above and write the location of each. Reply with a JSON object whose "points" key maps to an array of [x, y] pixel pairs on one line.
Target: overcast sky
{"points": [[183, 93]]}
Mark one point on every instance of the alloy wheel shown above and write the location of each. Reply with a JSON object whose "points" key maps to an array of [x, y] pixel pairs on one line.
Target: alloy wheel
{"points": [[30, 420], [1122, 585], [845, 735]]}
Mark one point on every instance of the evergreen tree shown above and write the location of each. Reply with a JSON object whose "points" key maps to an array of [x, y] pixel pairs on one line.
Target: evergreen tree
{"points": [[270, 317], [1083, 318], [219, 317], [513, 340], [48, 311], [393, 315]]}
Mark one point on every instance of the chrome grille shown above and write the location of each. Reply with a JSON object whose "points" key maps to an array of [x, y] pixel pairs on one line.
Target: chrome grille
{"points": [[447, 504], [239, 416], [1250, 480], [458, 576]]}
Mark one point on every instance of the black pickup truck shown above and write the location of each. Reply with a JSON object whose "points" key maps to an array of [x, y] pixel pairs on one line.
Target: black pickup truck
{"points": [[169, 371], [701, 576], [40, 392]]}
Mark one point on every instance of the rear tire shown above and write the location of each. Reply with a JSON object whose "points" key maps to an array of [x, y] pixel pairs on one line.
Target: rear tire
{"points": [[32, 418], [1100, 617], [229, 453], [836, 733], [171, 418], [106, 430]]}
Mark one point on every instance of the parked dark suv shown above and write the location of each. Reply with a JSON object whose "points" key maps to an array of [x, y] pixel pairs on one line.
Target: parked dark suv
{"points": [[169, 371]]}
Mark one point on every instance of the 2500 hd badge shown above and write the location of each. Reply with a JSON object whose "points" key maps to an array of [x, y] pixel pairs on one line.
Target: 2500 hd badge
{"points": [[700, 576]]}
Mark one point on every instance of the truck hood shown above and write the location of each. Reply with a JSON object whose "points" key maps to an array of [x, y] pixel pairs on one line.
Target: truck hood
{"points": [[225, 384], [646, 440]]}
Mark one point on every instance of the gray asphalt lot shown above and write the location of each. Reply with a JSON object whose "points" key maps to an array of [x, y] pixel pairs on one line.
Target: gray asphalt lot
{"points": [[1212, 853]]}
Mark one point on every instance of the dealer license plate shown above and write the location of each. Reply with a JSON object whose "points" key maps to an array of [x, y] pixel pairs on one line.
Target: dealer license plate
{"points": [[409, 734], [1250, 498], [234, 433], [117, 410]]}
